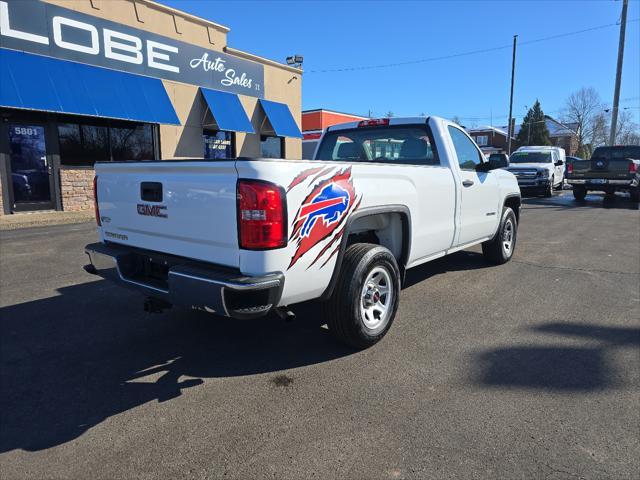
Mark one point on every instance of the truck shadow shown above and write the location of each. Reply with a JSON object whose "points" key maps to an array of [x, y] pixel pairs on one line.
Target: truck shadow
{"points": [[71, 361], [565, 201], [556, 367], [458, 261]]}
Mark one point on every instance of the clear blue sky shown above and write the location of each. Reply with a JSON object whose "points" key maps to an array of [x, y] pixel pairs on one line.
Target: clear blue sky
{"points": [[333, 34]]}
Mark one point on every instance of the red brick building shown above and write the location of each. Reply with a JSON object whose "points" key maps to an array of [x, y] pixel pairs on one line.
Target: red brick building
{"points": [[315, 121]]}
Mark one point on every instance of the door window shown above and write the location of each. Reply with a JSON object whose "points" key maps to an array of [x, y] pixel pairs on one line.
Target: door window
{"points": [[29, 169], [469, 157]]}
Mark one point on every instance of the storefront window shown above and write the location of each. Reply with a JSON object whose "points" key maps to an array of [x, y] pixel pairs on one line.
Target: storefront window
{"points": [[131, 143], [271, 147], [218, 145], [83, 145]]}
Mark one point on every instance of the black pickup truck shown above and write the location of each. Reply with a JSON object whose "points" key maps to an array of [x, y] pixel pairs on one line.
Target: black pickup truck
{"points": [[610, 169]]}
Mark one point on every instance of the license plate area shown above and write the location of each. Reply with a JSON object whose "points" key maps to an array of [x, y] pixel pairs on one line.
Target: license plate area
{"points": [[598, 182], [145, 269]]}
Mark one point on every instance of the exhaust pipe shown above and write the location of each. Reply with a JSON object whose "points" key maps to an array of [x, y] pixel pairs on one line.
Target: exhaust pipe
{"points": [[90, 269]]}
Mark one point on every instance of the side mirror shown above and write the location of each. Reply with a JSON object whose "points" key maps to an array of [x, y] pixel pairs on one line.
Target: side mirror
{"points": [[559, 162], [498, 161]]}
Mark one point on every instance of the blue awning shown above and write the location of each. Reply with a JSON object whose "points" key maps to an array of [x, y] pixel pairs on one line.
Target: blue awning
{"points": [[42, 83], [280, 119], [227, 111]]}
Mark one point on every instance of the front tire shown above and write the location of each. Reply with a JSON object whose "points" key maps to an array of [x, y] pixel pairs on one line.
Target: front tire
{"points": [[500, 248], [548, 192], [634, 193], [365, 300]]}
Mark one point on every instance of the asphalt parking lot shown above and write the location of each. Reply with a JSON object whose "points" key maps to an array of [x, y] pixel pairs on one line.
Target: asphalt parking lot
{"points": [[527, 370]]}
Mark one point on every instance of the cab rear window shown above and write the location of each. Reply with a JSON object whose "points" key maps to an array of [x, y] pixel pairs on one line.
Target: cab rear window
{"points": [[617, 153], [403, 144]]}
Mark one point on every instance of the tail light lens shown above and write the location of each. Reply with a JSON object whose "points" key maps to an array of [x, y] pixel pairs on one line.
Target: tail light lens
{"points": [[374, 122], [262, 217], [95, 200], [633, 167], [570, 168]]}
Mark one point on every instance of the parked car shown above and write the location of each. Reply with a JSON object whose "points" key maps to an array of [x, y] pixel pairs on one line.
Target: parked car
{"points": [[610, 169], [247, 236], [538, 169]]}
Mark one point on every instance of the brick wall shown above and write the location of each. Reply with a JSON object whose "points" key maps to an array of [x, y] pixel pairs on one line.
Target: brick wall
{"points": [[77, 189]]}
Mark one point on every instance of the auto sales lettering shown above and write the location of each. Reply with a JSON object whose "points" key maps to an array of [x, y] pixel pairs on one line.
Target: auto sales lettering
{"points": [[37, 27]]}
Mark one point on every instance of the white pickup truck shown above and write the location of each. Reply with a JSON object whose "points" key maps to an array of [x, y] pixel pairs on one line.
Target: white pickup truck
{"points": [[243, 237], [539, 169]]}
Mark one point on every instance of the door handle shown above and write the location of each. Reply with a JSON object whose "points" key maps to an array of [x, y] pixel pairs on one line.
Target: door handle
{"points": [[467, 183]]}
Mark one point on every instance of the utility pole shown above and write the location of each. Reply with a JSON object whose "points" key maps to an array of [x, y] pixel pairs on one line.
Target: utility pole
{"points": [[616, 93], [513, 72]]}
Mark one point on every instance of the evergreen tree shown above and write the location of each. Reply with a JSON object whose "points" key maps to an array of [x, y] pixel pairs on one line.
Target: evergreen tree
{"points": [[534, 129]]}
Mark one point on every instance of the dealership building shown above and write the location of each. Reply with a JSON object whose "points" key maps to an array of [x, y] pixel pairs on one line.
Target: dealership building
{"points": [[106, 80]]}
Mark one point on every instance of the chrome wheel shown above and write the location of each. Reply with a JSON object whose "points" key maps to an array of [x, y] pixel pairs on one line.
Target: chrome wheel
{"points": [[508, 236], [376, 299]]}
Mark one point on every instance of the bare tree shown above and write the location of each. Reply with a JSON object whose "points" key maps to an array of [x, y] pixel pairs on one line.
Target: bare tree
{"points": [[628, 132], [600, 129], [389, 114], [583, 109]]}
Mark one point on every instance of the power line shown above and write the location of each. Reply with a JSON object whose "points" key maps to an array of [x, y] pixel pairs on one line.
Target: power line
{"points": [[466, 54]]}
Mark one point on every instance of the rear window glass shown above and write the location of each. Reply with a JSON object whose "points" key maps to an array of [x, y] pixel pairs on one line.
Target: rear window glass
{"points": [[396, 144], [617, 153]]}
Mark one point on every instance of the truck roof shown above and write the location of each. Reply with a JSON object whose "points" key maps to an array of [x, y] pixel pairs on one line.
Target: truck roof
{"points": [[533, 148], [392, 121]]}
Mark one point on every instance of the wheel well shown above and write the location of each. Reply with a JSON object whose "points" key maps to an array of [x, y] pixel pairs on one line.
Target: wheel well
{"points": [[389, 229], [514, 204]]}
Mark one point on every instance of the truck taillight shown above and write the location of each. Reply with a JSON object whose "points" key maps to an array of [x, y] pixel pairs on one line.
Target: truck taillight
{"points": [[262, 217], [374, 122], [570, 168], [95, 200], [633, 167]]}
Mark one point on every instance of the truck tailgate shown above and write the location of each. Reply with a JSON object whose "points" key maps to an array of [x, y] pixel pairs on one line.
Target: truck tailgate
{"points": [[185, 208], [600, 168]]}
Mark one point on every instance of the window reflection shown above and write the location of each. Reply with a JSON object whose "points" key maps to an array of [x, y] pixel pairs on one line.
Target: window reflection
{"points": [[84, 144], [271, 147]]}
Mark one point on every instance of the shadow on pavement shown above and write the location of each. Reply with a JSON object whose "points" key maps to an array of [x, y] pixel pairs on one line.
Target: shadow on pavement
{"points": [[71, 361], [463, 260], [557, 367], [592, 200]]}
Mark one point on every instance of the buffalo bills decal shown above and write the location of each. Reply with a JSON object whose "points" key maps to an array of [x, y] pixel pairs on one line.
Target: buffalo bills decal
{"points": [[323, 211]]}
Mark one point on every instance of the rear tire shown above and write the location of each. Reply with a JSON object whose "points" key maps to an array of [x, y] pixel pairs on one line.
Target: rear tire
{"points": [[579, 192], [364, 302], [500, 248]]}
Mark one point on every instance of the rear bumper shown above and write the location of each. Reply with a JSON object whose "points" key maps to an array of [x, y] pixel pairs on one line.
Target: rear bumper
{"points": [[599, 182], [185, 282]]}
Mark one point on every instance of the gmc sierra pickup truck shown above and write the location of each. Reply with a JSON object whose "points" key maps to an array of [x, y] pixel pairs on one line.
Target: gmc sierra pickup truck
{"points": [[610, 169], [243, 237]]}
